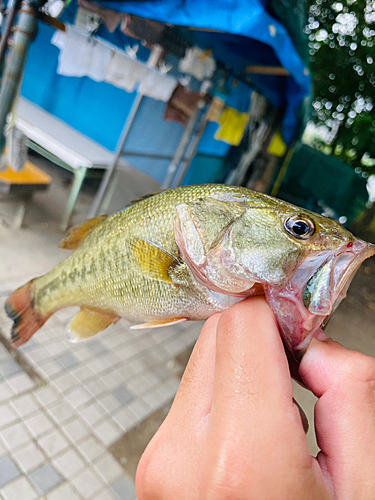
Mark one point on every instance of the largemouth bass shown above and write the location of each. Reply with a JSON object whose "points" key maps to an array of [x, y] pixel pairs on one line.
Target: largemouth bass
{"points": [[187, 253]]}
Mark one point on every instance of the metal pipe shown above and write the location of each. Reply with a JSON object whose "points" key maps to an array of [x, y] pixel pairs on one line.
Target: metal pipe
{"points": [[192, 149], [25, 31], [154, 57], [181, 148], [5, 35], [108, 177], [154, 156]]}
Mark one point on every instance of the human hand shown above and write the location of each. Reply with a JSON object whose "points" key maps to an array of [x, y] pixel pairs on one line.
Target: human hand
{"points": [[233, 431]]}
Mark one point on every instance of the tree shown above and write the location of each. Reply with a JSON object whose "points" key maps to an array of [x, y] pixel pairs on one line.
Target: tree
{"points": [[342, 50]]}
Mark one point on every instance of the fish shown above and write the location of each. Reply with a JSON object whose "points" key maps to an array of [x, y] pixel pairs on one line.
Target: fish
{"points": [[187, 253]]}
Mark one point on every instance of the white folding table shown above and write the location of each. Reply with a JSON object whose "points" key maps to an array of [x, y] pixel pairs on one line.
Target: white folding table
{"points": [[65, 146]]}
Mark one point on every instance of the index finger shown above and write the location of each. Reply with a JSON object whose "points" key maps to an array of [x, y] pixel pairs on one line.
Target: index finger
{"points": [[253, 395]]}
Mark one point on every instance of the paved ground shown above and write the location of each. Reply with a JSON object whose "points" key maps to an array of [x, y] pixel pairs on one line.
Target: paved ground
{"points": [[63, 407], [75, 418]]}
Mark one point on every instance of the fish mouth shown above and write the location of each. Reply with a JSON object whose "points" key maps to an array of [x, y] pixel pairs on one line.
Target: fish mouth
{"points": [[328, 286], [319, 284]]}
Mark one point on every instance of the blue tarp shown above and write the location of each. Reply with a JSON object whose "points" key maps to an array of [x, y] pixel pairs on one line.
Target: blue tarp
{"points": [[86, 104], [252, 36]]}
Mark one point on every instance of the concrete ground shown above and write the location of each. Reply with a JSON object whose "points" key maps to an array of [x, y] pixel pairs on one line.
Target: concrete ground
{"points": [[75, 418]]}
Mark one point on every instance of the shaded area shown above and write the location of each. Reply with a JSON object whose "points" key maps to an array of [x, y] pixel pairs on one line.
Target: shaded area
{"points": [[130, 447]]}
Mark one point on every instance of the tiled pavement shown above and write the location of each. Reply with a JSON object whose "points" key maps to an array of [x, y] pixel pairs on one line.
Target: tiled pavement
{"points": [[63, 405]]}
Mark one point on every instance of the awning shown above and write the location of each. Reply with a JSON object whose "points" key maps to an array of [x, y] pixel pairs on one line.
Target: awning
{"points": [[253, 38]]}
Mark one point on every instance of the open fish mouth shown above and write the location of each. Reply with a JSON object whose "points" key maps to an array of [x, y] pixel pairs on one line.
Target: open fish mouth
{"points": [[318, 286], [329, 284]]}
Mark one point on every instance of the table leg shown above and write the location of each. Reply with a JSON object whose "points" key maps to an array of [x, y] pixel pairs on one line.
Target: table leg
{"points": [[19, 214], [98, 199], [79, 176]]}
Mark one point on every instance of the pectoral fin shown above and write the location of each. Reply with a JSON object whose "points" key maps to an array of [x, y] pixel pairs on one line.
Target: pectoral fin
{"points": [[78, 233], [89, 322], [158, 323], [154, 260]]}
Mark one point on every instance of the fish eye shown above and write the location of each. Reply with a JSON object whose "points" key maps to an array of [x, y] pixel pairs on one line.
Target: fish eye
{"points": [[300, 227]]}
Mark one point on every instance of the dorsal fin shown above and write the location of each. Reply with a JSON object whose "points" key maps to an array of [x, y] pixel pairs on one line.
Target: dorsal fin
{"points": [[78, 233], [145, 197]]}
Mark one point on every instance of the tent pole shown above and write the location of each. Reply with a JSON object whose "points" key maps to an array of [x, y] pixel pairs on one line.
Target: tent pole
{"points": [[109, 175], [5, 35], [180, 150], [192, 149], [283, 170], [24, 33]]}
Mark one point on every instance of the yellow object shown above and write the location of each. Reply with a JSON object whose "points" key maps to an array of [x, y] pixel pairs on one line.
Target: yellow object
{"points": [[29, 175], [277, 146], [232, 126], [88, 323], [153, 260]]}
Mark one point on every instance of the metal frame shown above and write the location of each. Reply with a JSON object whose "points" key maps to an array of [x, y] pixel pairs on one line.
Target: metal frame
{"points": [[79, 177], [24, 33]]}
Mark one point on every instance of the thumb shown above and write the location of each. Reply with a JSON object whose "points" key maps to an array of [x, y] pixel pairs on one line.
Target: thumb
{"points": [[344, 382]]}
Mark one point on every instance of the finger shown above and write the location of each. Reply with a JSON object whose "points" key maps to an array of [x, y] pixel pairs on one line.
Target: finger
{"points": [[253, 396], [344, 382], [194, 396], [294, 363], [170, 463]]}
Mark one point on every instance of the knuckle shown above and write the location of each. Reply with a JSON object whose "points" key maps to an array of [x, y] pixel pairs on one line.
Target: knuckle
{"points": [[362, 367], [226, 480], [369, 369], [150, 477], [161, 470], [145, 476], [224, 492]]}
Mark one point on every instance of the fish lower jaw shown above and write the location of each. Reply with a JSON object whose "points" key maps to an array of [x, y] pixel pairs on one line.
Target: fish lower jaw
{"points": [[297, 324]]}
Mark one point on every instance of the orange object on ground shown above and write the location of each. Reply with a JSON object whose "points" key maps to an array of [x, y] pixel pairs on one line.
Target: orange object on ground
{"points": [[30, 175]]}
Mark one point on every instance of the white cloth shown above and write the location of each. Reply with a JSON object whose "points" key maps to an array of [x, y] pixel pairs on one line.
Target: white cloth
{"points": [[101, 56], [197, 63], [59, 39], [124, 72], [158, 86], [81, 55]]}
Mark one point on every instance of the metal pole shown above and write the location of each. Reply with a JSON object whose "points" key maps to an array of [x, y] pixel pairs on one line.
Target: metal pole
{"points": [[5, 35], [180, 150], [192, 149], [108, 177], [25, 31], [237, 175]]}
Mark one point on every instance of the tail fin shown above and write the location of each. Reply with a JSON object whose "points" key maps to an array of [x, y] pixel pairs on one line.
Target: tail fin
{"points": [[19, 306]]}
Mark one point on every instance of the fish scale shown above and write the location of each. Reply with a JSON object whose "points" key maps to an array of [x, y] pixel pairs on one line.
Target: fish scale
{"points": [[117, 283], [186, 253]]}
